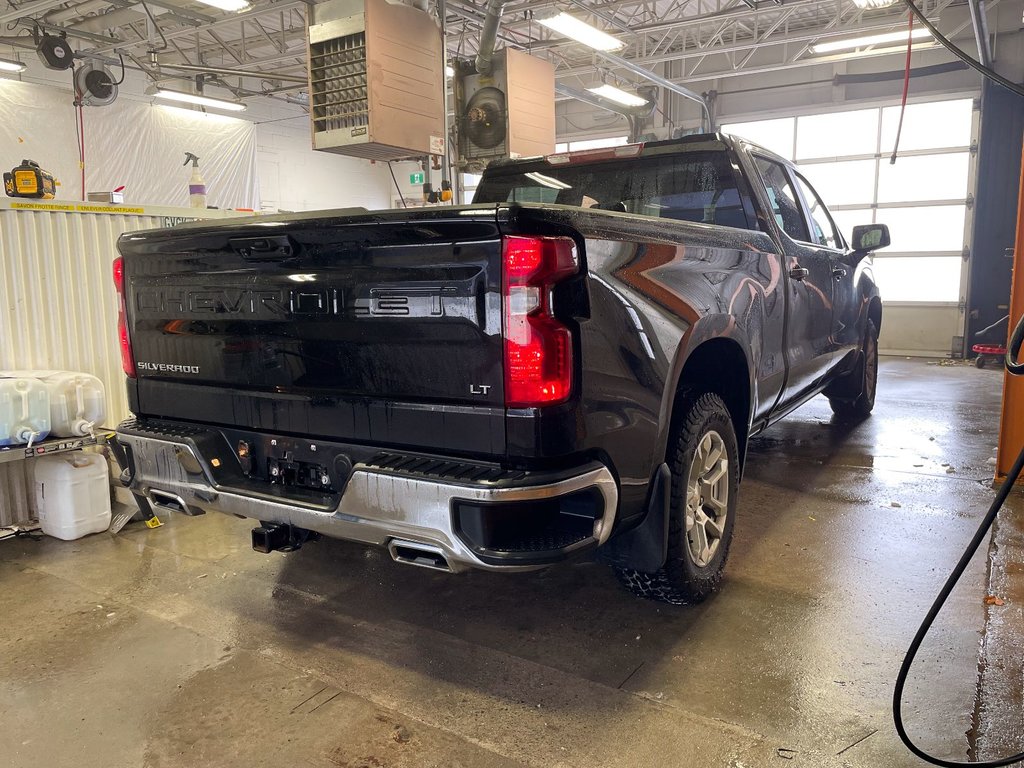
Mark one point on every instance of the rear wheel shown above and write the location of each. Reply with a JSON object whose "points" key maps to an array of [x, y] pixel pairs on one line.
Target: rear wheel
{"points": [[861, 406], [704, 458]]}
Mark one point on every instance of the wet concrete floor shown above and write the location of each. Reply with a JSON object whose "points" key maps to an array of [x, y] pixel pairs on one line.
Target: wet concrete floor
{"points": [[180, 647]]}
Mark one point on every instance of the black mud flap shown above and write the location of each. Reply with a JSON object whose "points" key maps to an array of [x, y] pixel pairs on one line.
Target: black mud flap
{"points": [[645, 547]]}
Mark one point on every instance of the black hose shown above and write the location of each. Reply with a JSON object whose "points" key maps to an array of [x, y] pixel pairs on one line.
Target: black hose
{"points": [[974, 64], [397, 188], [118, 82], [1013, 350], [947, 588]]}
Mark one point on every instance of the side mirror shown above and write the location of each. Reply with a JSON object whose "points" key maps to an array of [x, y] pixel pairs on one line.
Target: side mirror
{"points": [[870, 237]]}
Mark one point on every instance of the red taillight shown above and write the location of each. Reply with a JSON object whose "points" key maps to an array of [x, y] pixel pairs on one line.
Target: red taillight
{"points": [[538, 348], [127, 357]]}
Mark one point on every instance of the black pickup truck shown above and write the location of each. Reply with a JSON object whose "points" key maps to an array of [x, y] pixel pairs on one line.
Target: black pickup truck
{"points": [[574, 362]]}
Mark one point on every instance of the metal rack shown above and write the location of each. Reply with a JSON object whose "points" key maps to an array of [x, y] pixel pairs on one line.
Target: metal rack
{"points": [[53, 446], [15, 487]]}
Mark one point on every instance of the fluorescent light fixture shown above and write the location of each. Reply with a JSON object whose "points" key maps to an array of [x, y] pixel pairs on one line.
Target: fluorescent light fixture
{"points": [[582, 32], [9, 65], [874, 3], [227, 5], [547, 181], [618, 95], [864, 42], [195, 98]]}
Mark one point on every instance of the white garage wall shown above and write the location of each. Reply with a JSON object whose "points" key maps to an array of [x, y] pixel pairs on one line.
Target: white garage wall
{"points": [[295, 178], [130, 143], [261, 159]]}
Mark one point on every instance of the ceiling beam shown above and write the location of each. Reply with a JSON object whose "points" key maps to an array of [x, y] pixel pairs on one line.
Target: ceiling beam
{"points": [[802, 37], [28, 9], [980, 23], [256, 12]]}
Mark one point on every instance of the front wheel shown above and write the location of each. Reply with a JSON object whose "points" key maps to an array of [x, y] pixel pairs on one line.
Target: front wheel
{"points": [[861, 406], [704, 458]]}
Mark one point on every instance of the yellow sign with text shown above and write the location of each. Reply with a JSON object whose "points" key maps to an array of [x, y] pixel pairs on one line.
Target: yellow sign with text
{"points": [[77, 208]]}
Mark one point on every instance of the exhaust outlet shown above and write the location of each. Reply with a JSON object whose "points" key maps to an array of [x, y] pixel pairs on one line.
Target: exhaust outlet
{"points": [[172, 503], [422, 555]]}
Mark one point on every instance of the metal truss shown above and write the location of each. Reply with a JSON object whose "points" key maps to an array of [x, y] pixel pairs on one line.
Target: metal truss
{"points": [[690, 40], [267, 41], [683, 40]]}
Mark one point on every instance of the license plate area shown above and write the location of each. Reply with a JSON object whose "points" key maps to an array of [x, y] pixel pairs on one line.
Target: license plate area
{"points": [[298, 474], [289, 462]]}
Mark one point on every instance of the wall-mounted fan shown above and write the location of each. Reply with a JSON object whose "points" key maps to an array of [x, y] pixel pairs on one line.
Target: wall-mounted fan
{"points": [[509, 112], [95, 85], [483, 119]]}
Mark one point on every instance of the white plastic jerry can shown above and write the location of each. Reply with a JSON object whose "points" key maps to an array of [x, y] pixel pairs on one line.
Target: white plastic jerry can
{"points": [[24, 410], [72, 494], [78, 401]]}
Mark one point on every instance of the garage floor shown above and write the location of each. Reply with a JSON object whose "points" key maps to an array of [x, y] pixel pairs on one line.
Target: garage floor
{"points": [[181, 647]]}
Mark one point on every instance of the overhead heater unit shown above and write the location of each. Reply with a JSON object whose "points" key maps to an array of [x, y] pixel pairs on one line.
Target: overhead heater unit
{"points": [[375, 80], [508, 113]]}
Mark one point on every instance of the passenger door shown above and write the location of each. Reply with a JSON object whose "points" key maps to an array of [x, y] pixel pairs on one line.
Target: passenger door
{"points": [[809, 348], [846, 307]]}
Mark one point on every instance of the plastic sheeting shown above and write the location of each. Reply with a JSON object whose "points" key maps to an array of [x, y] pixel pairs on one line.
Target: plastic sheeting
{"points": [[130, 143]]}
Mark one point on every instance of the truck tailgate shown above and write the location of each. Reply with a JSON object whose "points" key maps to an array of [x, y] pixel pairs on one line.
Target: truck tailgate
{"points": [[305, 325]]}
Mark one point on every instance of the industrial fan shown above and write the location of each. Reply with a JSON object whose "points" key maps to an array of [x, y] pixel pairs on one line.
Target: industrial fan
{"points": [[94, 85], [484, 118], [509, 112]]}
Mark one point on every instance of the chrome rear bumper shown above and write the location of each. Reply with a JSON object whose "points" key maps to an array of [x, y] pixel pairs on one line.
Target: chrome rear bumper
{"points": [[376, 507]]}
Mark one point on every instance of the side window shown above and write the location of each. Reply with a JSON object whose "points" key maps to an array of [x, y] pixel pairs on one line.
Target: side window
{"points": [[783, 199], [825, 232]]}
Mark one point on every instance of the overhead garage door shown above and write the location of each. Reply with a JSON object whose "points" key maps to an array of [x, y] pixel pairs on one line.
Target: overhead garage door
{"points": [[924, 198]]}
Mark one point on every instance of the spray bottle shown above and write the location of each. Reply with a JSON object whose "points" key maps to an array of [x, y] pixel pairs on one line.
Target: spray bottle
{"points": [[196, 185]]}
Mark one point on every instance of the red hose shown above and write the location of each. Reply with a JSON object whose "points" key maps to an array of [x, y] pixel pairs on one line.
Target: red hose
{"points": [[81, 154], [906, 88]]}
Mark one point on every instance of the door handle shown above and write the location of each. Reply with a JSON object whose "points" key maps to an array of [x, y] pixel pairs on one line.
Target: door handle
{"points": [[799, 273], [838, 273], [270, 248]]}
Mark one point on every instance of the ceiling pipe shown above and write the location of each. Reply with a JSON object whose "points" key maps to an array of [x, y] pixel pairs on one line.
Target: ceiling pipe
{"points": [[665, 83], [237, 72], [488, 36], [79, 34], [601, 103], [981, 37], [18, 41], [76, 11], [29, 9], [109, 20]]}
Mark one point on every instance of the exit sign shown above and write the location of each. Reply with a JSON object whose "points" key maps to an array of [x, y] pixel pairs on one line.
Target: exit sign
{"points": [[416, 178]]}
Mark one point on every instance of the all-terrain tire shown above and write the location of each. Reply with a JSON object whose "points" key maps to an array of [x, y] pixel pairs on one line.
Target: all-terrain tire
{"points": [[861, 406], [703, 449]]}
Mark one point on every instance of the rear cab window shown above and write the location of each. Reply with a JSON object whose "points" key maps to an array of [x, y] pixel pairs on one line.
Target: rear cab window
{"points": [[688, 185]]}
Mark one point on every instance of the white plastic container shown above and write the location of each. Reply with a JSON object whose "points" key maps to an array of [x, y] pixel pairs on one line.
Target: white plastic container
{"points": [[24, 410], [78, 401], [72, 494]]}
